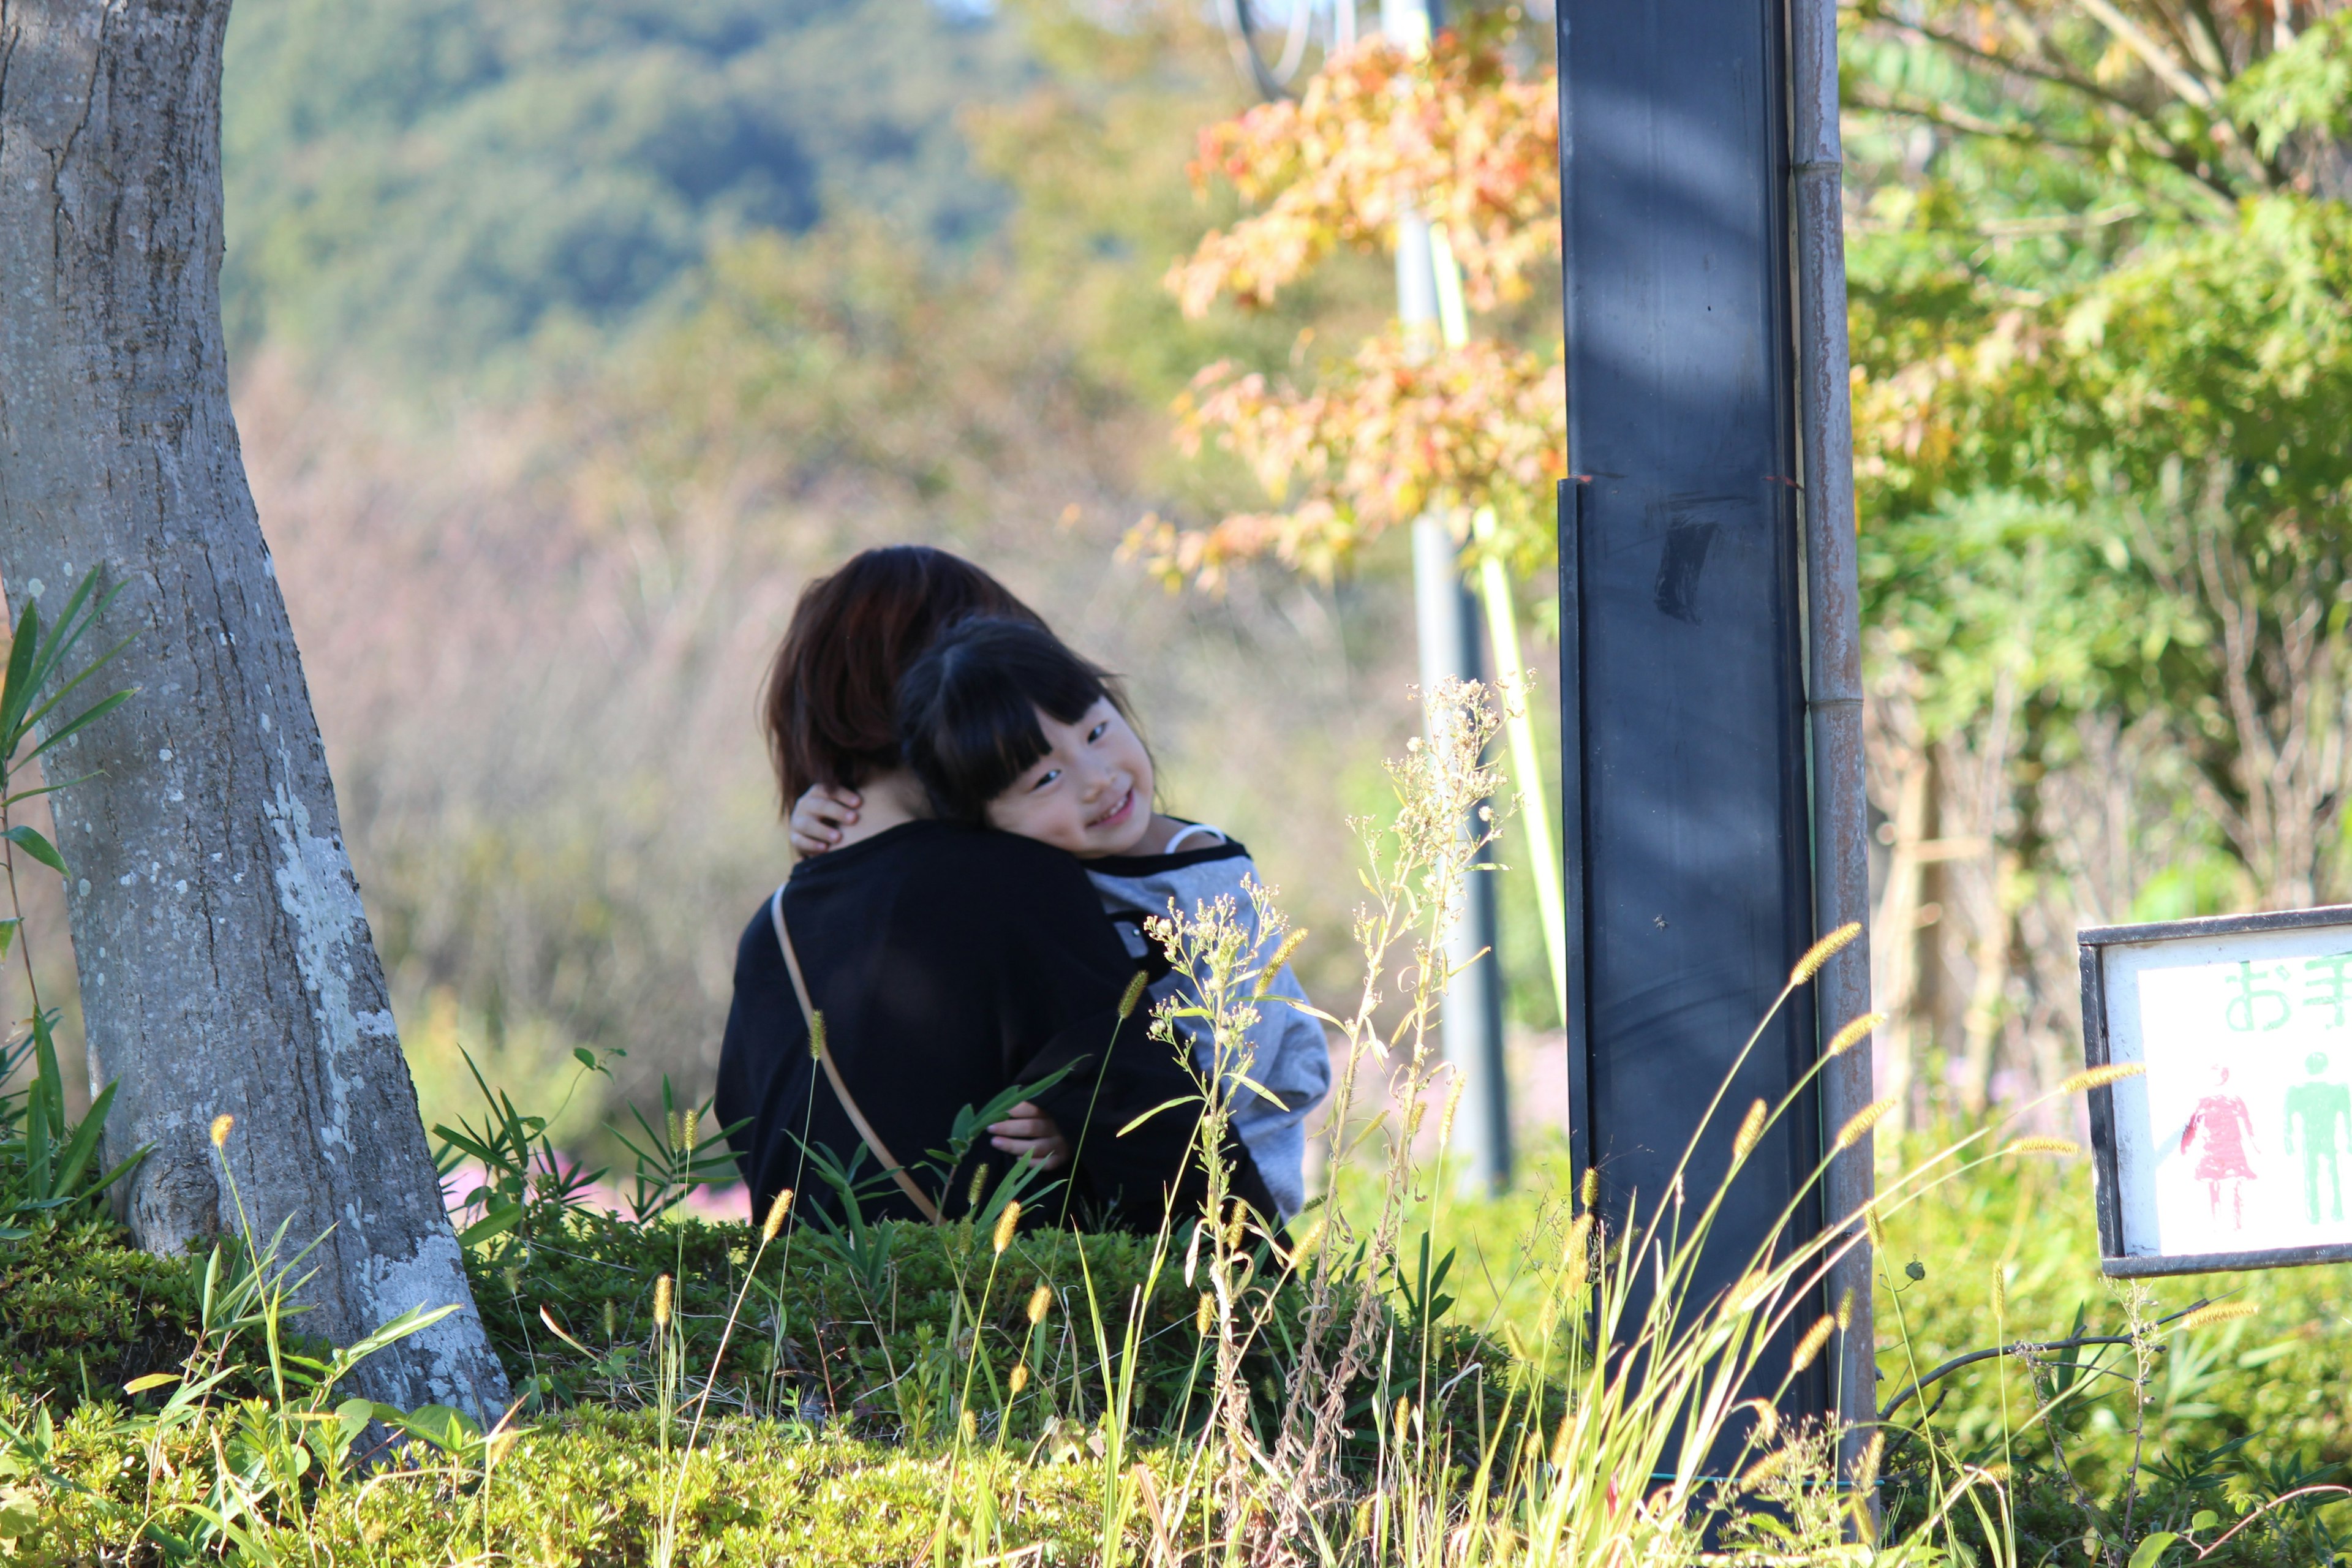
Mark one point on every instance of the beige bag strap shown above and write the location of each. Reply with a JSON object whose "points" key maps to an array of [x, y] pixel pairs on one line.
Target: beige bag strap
{"points": [[921, 1199]]}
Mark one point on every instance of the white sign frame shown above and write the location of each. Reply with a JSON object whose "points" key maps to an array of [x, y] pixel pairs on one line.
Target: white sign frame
{"points": [[2236, 1085]]}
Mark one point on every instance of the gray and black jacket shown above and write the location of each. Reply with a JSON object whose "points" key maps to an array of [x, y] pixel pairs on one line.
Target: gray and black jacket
{"points": [[1287, 1056]]}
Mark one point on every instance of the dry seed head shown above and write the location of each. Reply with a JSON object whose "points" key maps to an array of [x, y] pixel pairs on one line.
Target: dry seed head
{"points": [[693, 1125], [1845, 1310], [1265, 978], [2000, 1293], [1752, 1130], [1854, 1034], [494, 1452], [1234, 1226], [1136, 985], [978, 1185], [776, 1213], [1005, 1224], [1865, 1469], [1403, 1413], [1020, 1378], [2219, 1312], [1453, 1104], [1810, 1345], [2099, 1077], [1588, 1190], [221, 1125], [816, 1035], [1206, 1315], [1821, 952], [1765, 1469], [2043, 1146], [1877, 1232], [1768, 1420], [662, 1289], [1040, 1302], [1579, 1239], [1858, 1125], [971, 1423]]}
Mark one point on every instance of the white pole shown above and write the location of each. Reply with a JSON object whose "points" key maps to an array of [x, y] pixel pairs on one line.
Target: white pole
{"points": [[1446, 623]]}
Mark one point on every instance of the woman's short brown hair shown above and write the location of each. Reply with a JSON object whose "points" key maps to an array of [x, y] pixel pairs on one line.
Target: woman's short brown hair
{"points": [[831, 704]]}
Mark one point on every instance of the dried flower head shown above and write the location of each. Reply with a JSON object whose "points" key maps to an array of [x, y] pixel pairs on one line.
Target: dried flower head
{"points": [[1810, 1345], [2219, 1312], [1752, 1130], [1858, 1125], [776, 1213], [2099, 1077], [1020, 1378], [662, 1289], [1005, 1223], [2043, 1146], [221, 1125], [1856, 1031], [1040, 1302], [1821, 952]]}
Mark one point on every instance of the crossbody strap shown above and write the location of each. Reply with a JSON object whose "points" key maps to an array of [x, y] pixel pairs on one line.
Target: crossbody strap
{"points": [[921, 1199]]}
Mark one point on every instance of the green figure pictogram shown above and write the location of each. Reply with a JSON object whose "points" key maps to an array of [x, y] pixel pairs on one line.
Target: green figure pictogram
{"points": [[2254, 1006], [2323, 1108], [2329, 985]]}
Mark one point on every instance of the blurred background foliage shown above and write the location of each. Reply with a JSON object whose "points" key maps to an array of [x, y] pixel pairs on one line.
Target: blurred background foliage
{"points": [[573, 336]]}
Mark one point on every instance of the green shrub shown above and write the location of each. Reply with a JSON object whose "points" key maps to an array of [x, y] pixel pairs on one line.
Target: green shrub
{"points": [[82, 1311]]}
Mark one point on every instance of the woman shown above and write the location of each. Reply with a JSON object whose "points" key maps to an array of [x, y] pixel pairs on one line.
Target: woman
{"points": [[948, 963]]}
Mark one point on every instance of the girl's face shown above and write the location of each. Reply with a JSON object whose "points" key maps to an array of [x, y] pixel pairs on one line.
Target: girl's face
{"points": [[1090, 794]]}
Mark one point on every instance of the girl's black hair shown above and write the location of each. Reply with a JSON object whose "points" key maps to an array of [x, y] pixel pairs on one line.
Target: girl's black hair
{"points": [[968, 708]]}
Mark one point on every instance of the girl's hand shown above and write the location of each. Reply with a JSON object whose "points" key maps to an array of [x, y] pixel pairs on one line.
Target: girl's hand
{"points": [[819, 817], [1026, 1130]]}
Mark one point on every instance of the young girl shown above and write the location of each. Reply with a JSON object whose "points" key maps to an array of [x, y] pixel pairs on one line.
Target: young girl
{"points": [[1007, 728]]}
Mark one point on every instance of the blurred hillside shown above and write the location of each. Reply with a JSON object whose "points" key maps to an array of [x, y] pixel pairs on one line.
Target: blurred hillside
{"points": [[435, 186]]}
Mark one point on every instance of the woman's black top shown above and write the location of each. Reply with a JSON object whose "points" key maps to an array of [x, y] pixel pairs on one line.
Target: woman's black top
{"points": [[949, 963]]}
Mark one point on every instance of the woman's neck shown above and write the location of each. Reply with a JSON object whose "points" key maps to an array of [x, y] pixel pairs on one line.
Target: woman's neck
{"points": [[889, 800]]}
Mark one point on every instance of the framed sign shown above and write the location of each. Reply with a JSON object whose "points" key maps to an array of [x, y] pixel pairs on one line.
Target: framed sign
{"points": [[2233, 1148]]}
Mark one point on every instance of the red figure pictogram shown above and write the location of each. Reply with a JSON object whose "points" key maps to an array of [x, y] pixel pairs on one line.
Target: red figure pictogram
{"points": [[2221, 1120]]}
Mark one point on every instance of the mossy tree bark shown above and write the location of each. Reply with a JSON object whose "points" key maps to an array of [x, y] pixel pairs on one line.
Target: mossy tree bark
{"points": [[226, 962]]}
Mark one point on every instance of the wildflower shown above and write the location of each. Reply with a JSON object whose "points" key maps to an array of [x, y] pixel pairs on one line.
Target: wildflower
{"points": [[1005, 1224], [1020, 1378], [221, 1124], [1751, 1132], [1821, 952], [2219, 1312], [1858, 1125], [2043, 1146], [2099, 1077], [776, 1213], [1040, 1302], [1854, 1032], [662, 1289], [1810, 1345]]}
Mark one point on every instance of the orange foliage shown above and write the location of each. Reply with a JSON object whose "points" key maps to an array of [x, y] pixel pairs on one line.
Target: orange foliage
{"points": [[1401, 427], [1396, 432], [1457, 133]]}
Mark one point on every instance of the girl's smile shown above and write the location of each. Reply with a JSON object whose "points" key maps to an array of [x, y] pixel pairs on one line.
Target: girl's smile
{"points": [[1083, 794]]}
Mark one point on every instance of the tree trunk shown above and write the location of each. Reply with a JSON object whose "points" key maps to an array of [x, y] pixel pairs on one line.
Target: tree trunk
{"points": [[226, 962]]}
